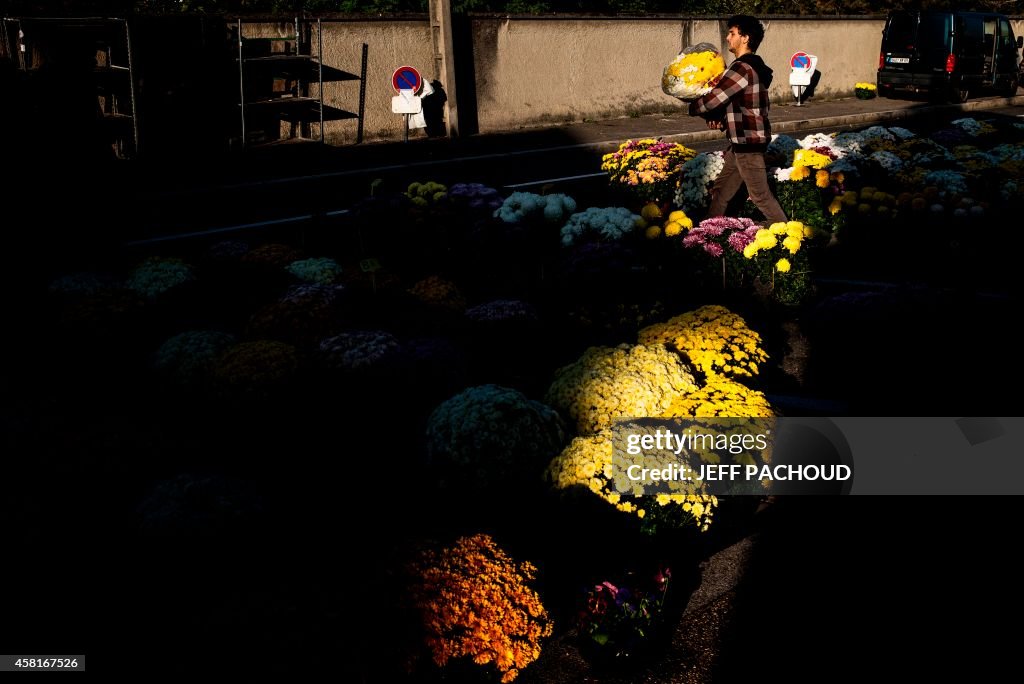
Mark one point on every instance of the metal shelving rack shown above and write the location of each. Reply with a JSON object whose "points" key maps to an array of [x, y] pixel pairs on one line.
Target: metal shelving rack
{"points": [[263, 107], [115, 82]]}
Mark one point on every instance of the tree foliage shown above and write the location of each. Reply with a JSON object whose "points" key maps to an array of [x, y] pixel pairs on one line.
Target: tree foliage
{"points": [[314, 7]]}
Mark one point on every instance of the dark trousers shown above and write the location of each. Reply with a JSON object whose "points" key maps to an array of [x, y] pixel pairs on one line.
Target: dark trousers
{"points": [[745, 168]]}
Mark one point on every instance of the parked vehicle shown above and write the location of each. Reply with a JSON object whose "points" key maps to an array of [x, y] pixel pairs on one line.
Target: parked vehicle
{"points": [[950, 55]]}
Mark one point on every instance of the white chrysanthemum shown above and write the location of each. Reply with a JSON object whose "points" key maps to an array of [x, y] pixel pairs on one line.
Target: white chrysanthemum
{"points": [[520, 206], [876, 132], [848, 164], [1008, 190], [816, 140], [490, 433], [948, 182], [849, 142], [782, 175], [1008, 152], [968, 125], [930, 158], [607, 224], [697, 176], [889, 161]]}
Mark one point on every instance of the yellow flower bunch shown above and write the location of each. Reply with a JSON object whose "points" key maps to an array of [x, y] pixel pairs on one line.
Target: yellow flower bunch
{"points": [[693, 73], [865, 91], [714, 339], [799, 173], [437, 291], [649, 167], [775, 250], [810, 158], [424, 195], [722, 397], [678, 221], [791, 234], [871, 200], [651, 211], [590, 462], [675, 224], [627, 381], [474, 602]]}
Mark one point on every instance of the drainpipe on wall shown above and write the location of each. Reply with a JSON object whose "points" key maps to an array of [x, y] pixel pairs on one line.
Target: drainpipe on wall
{"points": [[444, 60]]}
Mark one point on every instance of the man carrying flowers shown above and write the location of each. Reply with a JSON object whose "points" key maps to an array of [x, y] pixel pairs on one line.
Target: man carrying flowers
{"points": [[739, 103]]}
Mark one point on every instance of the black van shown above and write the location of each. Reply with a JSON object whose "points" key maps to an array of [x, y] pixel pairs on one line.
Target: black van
{"points": [[948, 54]]}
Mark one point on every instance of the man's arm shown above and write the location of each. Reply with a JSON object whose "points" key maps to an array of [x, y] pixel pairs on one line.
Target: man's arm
{"points": [[731, 85]]}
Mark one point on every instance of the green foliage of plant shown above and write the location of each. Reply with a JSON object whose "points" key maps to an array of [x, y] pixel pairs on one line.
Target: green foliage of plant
{"points": [[801, 200], [598, 7]]}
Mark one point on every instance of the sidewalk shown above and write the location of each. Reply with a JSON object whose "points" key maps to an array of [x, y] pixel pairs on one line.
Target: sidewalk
{"points": [[681, 128]]}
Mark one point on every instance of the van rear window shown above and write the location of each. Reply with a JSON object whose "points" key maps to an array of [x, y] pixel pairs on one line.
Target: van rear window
{"points": [[934, 31], [900, 33], [903, 33]]}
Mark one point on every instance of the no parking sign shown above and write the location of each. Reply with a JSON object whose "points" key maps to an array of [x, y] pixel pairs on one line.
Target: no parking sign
{"points": [[802, 67], [407, 78]]}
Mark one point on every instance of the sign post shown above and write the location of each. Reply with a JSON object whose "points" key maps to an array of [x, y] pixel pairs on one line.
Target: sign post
{"points": [[802, 67], [408, 83]]}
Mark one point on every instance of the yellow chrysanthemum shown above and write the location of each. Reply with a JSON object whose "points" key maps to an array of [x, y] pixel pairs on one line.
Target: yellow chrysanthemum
{"points": [[782, 266], [799, 173], [810, 158], [706, 337], [651, 211], [607, 383], [679, 217], [599, 449]]}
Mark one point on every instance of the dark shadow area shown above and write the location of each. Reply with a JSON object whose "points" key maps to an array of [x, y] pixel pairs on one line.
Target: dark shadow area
{"points": [[465, 74], [855, 585], [187, 108], [433, 110]]}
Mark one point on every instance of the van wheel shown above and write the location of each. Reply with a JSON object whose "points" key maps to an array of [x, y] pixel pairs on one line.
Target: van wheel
{"points": [[959, 94], [1011, 88]]}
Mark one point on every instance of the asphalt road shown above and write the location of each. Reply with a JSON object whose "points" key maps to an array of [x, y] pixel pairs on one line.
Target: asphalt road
{"points": [[287, 186]]}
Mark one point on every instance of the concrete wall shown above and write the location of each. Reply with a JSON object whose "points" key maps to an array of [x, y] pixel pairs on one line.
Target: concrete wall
{"points": [[534, 71], [391, 44]]}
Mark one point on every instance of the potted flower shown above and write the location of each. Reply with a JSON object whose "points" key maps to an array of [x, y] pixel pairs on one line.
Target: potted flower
{"points": [[648, 169], [479, 616], [778, 256], [865, 91], [626, 623]]}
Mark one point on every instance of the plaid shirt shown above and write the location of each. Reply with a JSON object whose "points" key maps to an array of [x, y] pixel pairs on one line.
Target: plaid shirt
{"points": [[741, 95]]}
